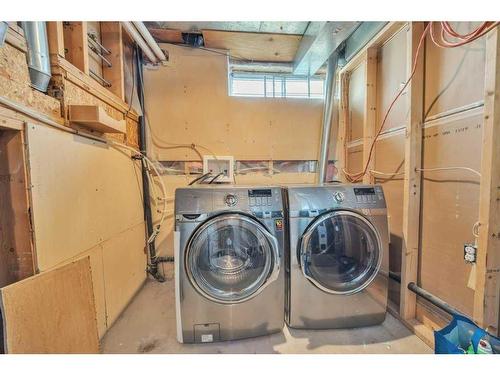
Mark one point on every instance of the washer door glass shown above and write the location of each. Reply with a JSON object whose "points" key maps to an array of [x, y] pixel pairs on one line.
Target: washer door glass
{"points": [[230, 257], [340, 252]]}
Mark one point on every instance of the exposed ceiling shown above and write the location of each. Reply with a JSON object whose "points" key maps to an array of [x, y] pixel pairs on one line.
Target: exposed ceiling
{"points": [[297, 28], [305, 44]]}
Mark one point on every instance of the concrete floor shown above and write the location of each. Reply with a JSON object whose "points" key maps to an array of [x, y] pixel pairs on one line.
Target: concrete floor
{"points": [[148, 326]]}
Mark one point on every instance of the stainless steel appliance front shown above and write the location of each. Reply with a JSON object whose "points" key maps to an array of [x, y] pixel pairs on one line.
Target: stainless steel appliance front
{"points": [[229, 262], [338, 256]]}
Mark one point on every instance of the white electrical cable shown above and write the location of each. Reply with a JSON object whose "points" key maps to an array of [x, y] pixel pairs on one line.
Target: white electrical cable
{"points": [[156, 230], [448, 169], [372, 171]]}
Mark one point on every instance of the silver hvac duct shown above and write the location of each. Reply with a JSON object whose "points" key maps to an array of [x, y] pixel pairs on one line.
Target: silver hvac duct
{"points": [[4, 27], [38, 54], [327, 114]]}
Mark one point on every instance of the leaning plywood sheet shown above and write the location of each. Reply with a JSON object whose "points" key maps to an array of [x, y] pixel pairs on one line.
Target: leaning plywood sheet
{"points": [[83, 193], [52, 312]]}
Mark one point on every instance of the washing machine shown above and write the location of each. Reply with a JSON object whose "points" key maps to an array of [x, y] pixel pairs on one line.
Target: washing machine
{"points": [[338, 259], [229, 262]]}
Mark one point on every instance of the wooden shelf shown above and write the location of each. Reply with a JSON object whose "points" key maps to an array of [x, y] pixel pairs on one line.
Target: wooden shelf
{"points": [[95, 118]]}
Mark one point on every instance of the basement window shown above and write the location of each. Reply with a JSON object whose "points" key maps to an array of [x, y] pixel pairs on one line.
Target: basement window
{"points": [[259, 85]]}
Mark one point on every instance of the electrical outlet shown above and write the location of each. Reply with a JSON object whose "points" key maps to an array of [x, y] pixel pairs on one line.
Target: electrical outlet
{"points": [[470, 253], [219, 165]]}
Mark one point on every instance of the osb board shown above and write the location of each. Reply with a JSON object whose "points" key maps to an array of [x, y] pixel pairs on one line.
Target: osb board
{"points": [[188, 103], [391, 75], [86, 194], [389, 158], [354, 159], [357, 93], [77, 96], [16, 257], [132, 135], [454, 77], [15, 83], [254, 46], [450, 207], [52, 312], [124, 263]]}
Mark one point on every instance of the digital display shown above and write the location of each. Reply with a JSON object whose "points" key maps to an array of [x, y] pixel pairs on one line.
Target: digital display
{"points": [[259, 193], [364, 191]]}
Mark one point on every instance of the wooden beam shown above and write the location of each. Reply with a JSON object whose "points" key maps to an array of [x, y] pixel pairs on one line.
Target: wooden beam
{"points": [[486, 297], [412, 179], [111, 35], [76, 44], [343, 122], [55, 33], [370, 115]]}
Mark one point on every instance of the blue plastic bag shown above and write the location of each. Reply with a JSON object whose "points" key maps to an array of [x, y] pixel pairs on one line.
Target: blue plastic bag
{"points": [[457, 336]]}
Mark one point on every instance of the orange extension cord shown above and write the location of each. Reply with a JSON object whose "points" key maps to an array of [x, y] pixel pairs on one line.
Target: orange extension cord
{"points": [[442, 41]]}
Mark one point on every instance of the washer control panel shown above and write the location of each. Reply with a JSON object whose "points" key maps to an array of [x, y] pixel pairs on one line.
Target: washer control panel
{"points": [[260, 198], [368, 194]]}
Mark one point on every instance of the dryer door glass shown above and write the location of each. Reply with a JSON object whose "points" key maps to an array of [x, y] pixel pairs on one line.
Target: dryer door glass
{"points": [[230, 258], [341, 252]]}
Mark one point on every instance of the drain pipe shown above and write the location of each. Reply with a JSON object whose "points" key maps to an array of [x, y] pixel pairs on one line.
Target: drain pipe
{"points": [[38, 54], [327, 114], [148, 216]]}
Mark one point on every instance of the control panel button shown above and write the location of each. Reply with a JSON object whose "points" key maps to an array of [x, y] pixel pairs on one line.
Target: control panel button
{"points": [[258, 201], [269, 201], [339, 196], [230, 200], [252, 201]]}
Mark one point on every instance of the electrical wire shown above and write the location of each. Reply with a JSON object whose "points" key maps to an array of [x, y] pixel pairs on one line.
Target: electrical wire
{"points": [[200, 178], [448, 169], [150, 164], [446, 31], [215, 178]]}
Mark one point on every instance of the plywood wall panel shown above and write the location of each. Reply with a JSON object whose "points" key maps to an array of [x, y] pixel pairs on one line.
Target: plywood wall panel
{"points": [[357, 93], [454, 77], [188, 103], [450, 207], [354, 160], [391, 75], [389, 158], [83, 193], [52, 312], [124, 271]]}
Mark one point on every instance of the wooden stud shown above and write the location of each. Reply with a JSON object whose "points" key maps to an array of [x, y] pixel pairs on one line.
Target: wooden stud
{"points": [[412, 180], [486, 297], [111, 35], [370, 115], [55, 33], [76, 44], [343, 121]]}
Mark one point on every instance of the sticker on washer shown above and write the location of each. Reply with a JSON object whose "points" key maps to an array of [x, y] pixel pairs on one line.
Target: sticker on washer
{"points": [[207, 338], [278, 223]]}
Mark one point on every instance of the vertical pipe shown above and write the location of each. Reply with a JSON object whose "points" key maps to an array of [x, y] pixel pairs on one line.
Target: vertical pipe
{"points": [[148, 216], [327, 115], [38, 54]]}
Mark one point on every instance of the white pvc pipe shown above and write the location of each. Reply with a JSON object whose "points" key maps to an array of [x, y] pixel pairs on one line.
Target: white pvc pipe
{"points": [[132, 31], [143, 30]]}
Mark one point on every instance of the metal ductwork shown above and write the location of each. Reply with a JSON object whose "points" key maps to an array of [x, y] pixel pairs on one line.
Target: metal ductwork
{"points": [[327, 114], [4, 27], [38, 54]]}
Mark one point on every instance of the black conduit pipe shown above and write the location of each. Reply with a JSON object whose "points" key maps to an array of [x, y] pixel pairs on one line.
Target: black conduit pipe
{"points": [[436, 301], [148, 217]]}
